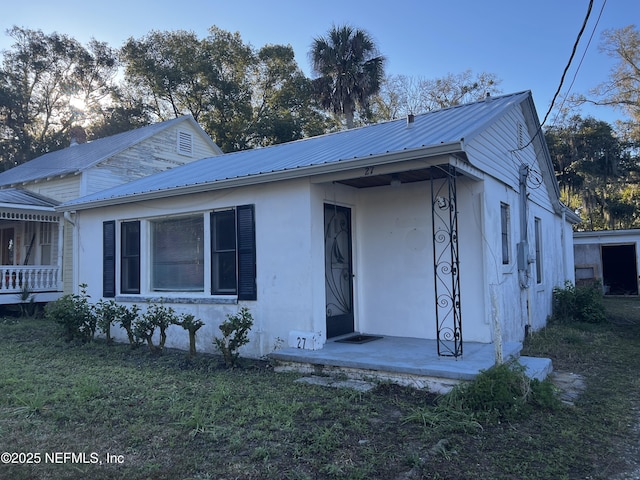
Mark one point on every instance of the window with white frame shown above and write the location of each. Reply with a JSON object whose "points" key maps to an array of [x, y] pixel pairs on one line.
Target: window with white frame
{"points": [[177, 254], [505, 228], [174, 253], [538, 247]]}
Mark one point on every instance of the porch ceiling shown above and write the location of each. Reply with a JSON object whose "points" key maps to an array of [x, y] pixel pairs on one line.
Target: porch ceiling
{"points": [[408, 176]]}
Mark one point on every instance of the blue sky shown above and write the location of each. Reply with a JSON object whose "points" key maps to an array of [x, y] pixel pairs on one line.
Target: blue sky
{"points": [[524, 43]]}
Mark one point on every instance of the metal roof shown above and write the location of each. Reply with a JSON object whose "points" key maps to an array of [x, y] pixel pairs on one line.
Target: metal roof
{"points": [[17, 196], [449, 126], [79, 157]]}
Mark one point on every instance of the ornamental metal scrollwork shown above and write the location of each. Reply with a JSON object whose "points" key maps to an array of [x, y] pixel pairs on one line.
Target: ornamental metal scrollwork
{"points": [[446, 261]]}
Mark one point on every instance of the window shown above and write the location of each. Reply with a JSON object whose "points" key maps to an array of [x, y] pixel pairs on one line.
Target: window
{"points": [[45, 243], [504, 231], [538, 246], [223, 252], [177, 254], [130, 257], [172, 256], [233, 254], [185, 143]]}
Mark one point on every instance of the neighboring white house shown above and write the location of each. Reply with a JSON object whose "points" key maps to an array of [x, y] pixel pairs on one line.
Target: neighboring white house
{"points": [[446, 225], [610, 257], [35, 247]]}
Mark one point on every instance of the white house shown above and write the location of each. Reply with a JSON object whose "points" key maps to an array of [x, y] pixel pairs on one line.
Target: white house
{"points": [[35, 247], [610, 257], [445, 226]]}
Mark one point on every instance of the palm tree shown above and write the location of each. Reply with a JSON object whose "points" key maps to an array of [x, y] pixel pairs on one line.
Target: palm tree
{"points": [[349, 70]]}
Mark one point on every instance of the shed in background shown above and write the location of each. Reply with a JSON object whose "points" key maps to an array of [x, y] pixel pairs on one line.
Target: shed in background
{"points": [[609, 256]]}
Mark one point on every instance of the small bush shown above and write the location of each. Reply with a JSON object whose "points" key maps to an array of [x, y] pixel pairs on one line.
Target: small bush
{"points": [[156, 316], [75, 314], [107, 313], [191, 325], [128, 319], [502, 392], [235, 331], [578, 304]]}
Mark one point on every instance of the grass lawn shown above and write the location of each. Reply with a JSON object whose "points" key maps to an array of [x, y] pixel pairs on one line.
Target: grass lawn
{"points": [[168, 417]]}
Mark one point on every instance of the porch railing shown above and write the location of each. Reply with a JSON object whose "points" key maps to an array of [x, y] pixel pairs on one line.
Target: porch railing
{"points": [[37, 278]]}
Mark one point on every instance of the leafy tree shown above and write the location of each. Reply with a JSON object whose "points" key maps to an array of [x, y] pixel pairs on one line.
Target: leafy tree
{"points": [[349, 68], [622, 89], [242, 98], [595, 171], [400, 94], [283, 108], [40, 77]]}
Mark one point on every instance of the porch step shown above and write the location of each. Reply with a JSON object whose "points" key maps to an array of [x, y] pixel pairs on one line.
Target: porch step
{"points": [[536, 368]]}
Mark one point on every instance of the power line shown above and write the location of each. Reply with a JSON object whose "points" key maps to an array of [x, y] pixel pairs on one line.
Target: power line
{"points": [[564, 74], [584, 54]]}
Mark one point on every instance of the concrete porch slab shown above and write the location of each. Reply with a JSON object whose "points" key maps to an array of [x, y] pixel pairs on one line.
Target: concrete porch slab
{"points": [[405, 361]]}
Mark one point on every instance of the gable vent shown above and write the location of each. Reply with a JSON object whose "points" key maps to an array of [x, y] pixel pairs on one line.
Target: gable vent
{"points": [[185, 143], [521, 135]]}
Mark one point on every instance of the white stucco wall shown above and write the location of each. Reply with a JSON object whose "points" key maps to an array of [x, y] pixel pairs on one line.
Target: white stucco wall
{"points": [[392, 261], [287, 293]]}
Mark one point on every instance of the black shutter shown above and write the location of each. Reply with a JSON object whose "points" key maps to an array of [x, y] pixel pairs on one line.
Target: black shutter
{"points": [[245, 218], [109, 259]]}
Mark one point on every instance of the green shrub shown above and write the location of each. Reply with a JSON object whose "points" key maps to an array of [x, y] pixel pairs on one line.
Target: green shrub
{"points": [[75, 314], [235, 331], [128, 319], [27, 299], [156, 316], [578, 304], [191, 325], [502, 392], [107, 313]]}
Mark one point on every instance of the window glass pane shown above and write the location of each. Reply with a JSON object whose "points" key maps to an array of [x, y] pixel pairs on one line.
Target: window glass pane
{"points": [[226, 269], [504, 227], [225, 230], [223, 253], [177, 252], [538, 234], [130, 258]]}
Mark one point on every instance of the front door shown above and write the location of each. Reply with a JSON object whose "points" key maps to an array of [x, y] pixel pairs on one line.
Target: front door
{"points": [[338, 271]]}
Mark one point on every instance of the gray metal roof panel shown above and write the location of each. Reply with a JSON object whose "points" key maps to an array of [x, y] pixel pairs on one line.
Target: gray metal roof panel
{"points": [[80, 157], [17, 196], [430, 129]]}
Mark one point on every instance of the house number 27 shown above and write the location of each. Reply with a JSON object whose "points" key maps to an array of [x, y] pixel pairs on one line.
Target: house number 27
{"points": [[368, 171], [302, 341]]}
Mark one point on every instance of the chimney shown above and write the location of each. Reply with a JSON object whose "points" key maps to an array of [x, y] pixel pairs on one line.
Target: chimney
{"points": [[410, 119], [77, 135]]}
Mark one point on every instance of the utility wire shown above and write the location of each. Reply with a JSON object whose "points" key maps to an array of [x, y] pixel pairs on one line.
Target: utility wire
{"points": [[564, 74], [584, 54]]}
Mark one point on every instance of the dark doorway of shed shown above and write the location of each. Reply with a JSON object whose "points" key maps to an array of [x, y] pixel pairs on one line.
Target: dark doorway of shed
{"points": [[619, 269]]}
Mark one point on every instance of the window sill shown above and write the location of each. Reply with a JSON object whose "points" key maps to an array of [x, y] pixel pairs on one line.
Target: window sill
{"points": [[200, 300]]}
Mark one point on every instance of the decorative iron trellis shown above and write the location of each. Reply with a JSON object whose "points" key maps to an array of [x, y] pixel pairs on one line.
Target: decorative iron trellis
{"points": [[446, 260]]}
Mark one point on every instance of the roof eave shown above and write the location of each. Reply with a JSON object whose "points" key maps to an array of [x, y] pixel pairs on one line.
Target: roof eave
{"points": [[266, 177]]}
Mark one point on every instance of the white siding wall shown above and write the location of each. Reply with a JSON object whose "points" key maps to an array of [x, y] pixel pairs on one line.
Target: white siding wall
{"points": [[153, 155]]}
